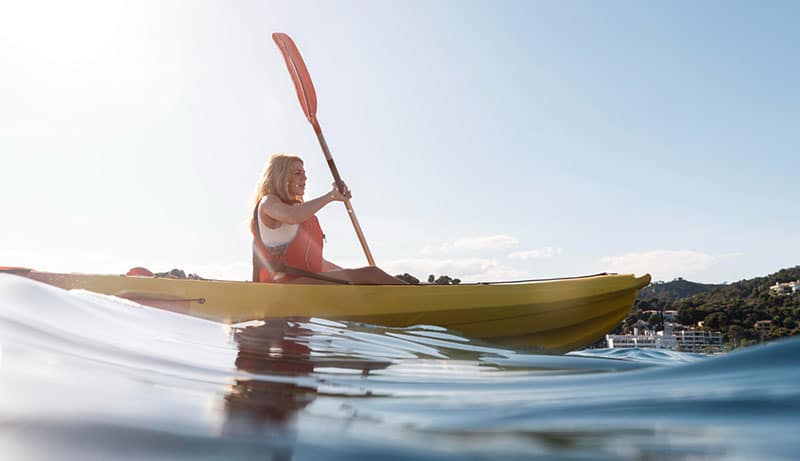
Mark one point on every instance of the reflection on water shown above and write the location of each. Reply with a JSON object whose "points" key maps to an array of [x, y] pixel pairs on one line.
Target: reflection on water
{"points": [[255, 406], [89, 377], [270, 349], [264, 404]]}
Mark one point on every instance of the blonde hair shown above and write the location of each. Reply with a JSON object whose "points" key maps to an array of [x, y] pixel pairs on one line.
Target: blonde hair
{"points": [[275, 181]]}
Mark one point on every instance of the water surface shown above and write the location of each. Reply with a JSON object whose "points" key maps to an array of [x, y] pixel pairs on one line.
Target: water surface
{"points": [[87, 376]]}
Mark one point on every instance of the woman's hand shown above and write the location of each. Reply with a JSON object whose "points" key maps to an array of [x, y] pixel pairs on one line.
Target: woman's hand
{"points": [[337, 195]]}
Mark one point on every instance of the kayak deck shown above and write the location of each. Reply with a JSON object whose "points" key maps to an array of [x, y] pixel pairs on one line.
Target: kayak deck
{"points": [[554, 316]]}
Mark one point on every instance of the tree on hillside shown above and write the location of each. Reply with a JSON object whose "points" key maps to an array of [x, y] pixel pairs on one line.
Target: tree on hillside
{"points": [[732, 309]]}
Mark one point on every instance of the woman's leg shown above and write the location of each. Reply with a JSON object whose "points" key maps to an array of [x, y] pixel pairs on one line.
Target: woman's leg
{"points": [[366, 275], [363, 275]]}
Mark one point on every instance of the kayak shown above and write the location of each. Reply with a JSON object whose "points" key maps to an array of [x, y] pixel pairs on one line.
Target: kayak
{"points": [[556, 315]]}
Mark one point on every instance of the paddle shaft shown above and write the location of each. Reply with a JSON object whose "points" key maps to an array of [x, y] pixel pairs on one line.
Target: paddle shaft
{"points": [[339, 183], [308, 102]]}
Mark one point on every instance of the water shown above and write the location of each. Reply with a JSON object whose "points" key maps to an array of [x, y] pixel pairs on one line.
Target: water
{"points": [[85, 376]]}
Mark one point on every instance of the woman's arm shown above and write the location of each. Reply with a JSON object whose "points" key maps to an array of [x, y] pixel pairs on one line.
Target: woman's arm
{"points": [[276, 209]]}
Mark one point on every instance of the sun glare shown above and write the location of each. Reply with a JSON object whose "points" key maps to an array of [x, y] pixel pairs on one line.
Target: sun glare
{"points": [[65, 33]]}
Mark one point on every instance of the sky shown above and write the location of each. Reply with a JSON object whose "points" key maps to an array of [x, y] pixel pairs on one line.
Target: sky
{"points": [[484, 140]]}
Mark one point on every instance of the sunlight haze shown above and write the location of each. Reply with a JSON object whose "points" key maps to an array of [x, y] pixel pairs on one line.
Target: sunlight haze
{"points": [[483, 140]]}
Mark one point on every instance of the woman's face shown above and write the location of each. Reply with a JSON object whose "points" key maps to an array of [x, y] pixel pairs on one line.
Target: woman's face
{"points": [[297, 179]]}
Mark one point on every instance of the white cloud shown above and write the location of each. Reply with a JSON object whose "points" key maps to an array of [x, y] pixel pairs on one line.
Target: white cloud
{"points": [[663, 264], [466, 269], [491, 242], [537, 253]]}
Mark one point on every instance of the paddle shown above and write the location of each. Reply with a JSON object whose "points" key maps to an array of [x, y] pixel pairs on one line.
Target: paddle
{"points": [[308, 101]]}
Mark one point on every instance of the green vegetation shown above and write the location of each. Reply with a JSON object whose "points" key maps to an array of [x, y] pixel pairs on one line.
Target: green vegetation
{"points": [[678, 288], [441, 280], [734, 309]]}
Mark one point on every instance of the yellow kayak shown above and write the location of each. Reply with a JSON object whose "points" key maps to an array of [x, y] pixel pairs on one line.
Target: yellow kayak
{"points": [[555, 315]]}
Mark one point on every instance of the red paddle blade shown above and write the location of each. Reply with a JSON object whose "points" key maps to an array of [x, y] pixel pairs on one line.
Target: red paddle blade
{"points": [[302, 80]]}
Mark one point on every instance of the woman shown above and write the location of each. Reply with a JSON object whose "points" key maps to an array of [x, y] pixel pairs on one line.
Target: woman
{"points": [[287, 235]]}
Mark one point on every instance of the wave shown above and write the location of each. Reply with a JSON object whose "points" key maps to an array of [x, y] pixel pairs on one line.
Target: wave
{"points": [[89, 376]]}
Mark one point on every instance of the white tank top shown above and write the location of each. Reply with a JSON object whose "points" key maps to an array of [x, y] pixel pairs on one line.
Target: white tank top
{"points": [[276, 240]]}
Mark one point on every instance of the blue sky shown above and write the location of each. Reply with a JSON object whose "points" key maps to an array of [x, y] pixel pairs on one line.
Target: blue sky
{"points": [[485, 140]]}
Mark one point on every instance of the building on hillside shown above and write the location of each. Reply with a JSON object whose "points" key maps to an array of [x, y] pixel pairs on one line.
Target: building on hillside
{"points": [[762, 326], [683, 340], [628, 341], [669, 316], [786, 288], [699, 340], [645, 339]]}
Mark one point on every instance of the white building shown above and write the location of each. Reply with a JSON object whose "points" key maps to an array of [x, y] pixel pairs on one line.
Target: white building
{"points": [[762, 326], [648, 338], [786, 288], [698, 340], [684, 340]]}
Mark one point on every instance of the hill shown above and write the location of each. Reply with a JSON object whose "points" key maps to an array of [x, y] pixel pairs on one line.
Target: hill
{"points": [[732, 309], [678, 288]]}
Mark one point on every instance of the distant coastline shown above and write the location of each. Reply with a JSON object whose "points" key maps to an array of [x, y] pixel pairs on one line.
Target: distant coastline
{"points": [[745, 312]]}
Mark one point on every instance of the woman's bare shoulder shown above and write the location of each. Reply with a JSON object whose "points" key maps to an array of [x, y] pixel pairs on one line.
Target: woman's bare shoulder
{"points": [[270, 200], [274, 211]]}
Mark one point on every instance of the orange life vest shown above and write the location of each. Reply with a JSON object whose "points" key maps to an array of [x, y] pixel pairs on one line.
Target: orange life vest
{"points": [[304, 252]]}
